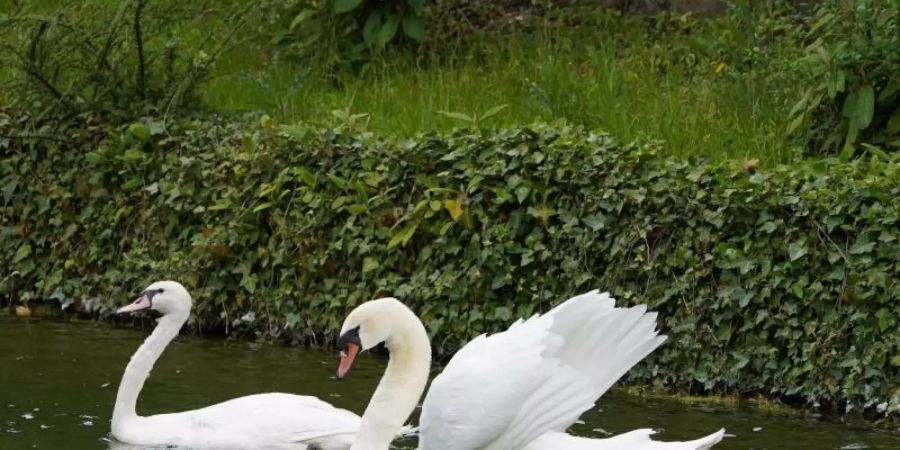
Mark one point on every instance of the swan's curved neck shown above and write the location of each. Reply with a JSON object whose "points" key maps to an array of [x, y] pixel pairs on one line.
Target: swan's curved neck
{"points": [[401, 386], [141, 364]]}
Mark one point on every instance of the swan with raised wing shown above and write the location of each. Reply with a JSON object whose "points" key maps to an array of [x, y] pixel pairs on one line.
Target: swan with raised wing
{"points": [[273, 421], [515, 390]]}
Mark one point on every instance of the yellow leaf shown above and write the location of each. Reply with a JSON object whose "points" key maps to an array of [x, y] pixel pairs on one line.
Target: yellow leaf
{"points": [[454, 208], [720, 67], [23, 311]]}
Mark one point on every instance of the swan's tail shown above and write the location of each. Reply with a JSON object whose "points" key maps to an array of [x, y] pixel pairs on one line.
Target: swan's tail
{"points": [[633, 440]]}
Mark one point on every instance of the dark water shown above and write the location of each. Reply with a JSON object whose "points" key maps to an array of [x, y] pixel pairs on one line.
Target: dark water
{"points": [[58, 383]]}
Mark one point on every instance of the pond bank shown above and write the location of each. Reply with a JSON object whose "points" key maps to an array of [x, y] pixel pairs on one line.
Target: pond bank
{"points": [[44, 403], [49, 313]]}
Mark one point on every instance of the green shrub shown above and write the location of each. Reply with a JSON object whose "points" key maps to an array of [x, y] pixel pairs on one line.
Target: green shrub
{"points": [[851, 65], [343, 33], [782, 282], [127, 56]]}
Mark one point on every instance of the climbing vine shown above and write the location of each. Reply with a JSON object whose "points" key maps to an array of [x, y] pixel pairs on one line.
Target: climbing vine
{"points": [[777, 281]]}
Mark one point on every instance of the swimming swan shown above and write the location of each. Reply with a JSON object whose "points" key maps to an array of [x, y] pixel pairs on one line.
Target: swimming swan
{"points": [[273, 421], [515, 390]]}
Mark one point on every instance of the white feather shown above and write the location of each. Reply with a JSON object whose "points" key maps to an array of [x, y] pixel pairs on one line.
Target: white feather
{"points": [[527, 385], [273, 421], [633, 440]]}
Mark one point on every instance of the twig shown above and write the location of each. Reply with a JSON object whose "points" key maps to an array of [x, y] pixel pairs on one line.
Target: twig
{"points": [[33, 49], [44, 82], [139, 46], [33, 136], [102, 56], [31, 66], [822, 232]]}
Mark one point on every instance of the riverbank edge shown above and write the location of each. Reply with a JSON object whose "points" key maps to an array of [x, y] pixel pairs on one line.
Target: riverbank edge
{"points": [[49, 310]]}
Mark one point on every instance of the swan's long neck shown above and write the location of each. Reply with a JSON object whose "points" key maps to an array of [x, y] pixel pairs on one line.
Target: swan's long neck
{"points": [[139, 367], [401, 386]]}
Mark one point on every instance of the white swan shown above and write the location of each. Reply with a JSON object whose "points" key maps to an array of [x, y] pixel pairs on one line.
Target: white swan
{"points": [[515, 390], [266, 421]]}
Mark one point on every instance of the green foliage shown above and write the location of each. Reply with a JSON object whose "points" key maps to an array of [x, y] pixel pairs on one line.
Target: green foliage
{"points": [[112, 56], [599, 73], [851, 64], [342, 33], [781, 281]]}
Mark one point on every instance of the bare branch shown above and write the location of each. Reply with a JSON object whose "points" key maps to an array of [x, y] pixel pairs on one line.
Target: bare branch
{"points": [[139, 47]]}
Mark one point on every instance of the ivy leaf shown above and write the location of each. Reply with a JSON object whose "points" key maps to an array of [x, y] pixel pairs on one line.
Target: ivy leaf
{"points": [[250, 282], [297, 132], [306, 176], [522, 193], [356, 209], [342, 6], [453, 207], [262, 206], [132, 183], [594, 221], [140, 131], [502, 313], [133, 155], [797, 250], [9, 190], [370, 264], [862, 246], [23, 252], [768, 227], [403, 236]]}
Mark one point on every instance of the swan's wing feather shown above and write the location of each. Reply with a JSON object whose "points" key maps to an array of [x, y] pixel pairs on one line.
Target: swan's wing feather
{"points": [[502, 392], [468, 404], [600, 344], [633, 440]]}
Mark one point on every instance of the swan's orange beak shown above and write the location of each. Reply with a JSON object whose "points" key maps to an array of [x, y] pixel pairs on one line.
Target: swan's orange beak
{"points": [[142, 302], [348, 355]]}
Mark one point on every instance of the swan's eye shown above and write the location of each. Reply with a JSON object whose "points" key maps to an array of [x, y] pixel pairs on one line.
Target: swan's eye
{"points": [[160, 290]]}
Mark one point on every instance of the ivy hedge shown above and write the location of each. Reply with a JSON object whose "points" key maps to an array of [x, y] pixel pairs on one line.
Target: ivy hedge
{"points": [[780, 281]]}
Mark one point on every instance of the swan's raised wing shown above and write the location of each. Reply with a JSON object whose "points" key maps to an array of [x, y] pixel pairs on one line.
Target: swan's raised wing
{"points": [[500, 392]]}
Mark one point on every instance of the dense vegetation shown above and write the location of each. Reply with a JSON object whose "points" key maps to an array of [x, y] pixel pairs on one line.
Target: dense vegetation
{"points": [[779, 281], [126, 158], [764, 82]]}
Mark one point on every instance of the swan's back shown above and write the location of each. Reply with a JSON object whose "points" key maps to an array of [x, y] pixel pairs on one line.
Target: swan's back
{"points": [[503, 391], [272, 421]]}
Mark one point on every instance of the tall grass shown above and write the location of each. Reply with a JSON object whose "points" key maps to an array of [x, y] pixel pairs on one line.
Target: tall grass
{"points": [[614, 74], [586, 77]]}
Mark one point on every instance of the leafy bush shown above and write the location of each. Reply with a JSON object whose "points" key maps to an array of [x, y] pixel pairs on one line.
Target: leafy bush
{"points": [[128, 55], [345, 32], [782, 282], [852, 67]]}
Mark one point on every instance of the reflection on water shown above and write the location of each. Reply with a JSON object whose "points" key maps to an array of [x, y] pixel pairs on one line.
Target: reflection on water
{"points": [[58, 383]]}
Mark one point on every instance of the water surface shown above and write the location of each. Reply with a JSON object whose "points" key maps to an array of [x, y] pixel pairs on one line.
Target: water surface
{"points": [[58, 383]]}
